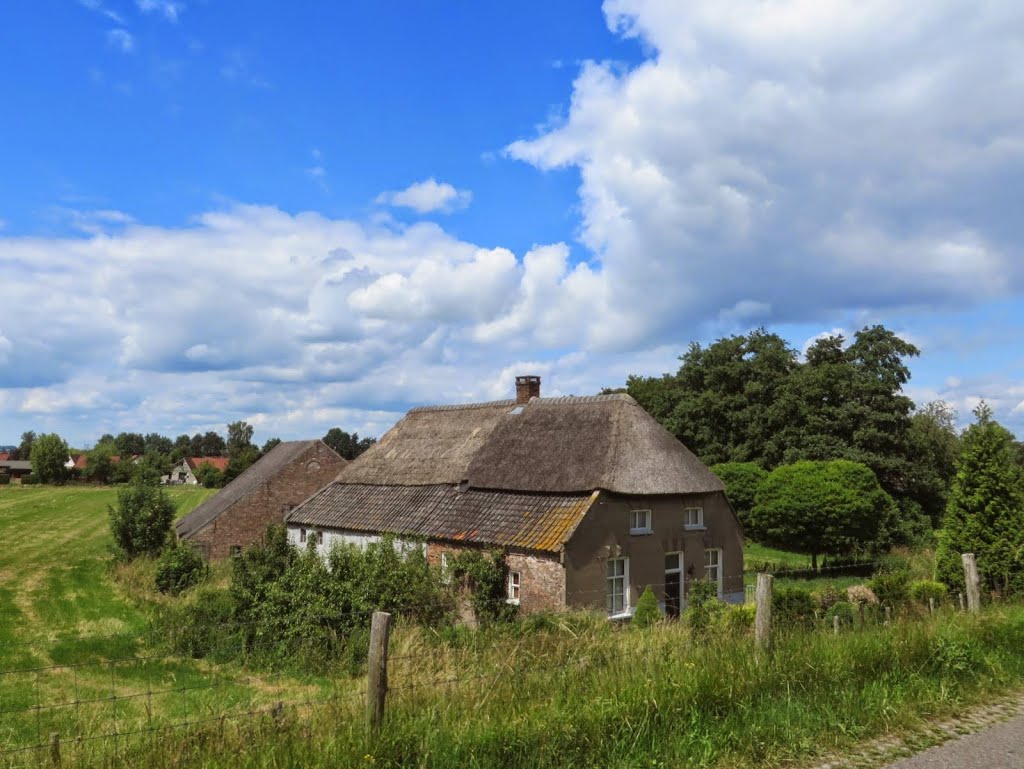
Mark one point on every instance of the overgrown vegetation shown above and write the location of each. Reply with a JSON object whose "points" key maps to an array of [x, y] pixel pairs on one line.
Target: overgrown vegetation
{"points": [[178, 568], [141, 520]]}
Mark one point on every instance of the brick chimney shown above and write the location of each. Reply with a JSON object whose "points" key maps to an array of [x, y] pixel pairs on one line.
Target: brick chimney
{"points": [[527, 387]]}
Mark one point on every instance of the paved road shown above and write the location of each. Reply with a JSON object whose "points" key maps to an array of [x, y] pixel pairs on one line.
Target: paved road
{"points": [[997, 747]]}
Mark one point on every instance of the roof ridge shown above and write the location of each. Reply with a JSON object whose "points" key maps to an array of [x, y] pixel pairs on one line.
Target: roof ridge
{"points": [[462, 406]]}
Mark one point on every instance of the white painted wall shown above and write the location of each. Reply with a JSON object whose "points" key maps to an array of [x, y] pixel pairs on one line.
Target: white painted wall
{"points": [[334, 537]]}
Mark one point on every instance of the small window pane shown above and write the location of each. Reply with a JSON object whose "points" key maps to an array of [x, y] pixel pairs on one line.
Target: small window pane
{"points": [[671, 561]]}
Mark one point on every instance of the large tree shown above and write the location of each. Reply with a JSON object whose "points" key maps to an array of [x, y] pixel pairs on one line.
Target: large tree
{"points": [[820, 508], [141, 520], [130, 444], [154, 443], [24, 450], [347, 445], [742, 480], [99, 462], [985, 512], [49, 456]]}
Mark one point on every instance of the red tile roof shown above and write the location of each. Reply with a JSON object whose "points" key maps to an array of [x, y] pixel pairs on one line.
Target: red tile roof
{"points": [[221, 463], [4, 456]]}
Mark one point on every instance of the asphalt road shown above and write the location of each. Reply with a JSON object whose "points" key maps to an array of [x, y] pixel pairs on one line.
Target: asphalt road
{"points": [[997, 747]]}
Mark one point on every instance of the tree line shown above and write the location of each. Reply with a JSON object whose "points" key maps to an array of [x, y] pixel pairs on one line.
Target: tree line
{"points": [[823, 453], [119, 458]]}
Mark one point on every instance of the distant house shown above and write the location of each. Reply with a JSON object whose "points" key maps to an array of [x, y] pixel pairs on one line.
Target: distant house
{"points": [[239, 514], [591, 499], [185, 470], [5, 456], [15, 468]]}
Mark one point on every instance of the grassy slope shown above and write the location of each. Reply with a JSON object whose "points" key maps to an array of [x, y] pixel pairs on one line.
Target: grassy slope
{"points": [[59, 606]]}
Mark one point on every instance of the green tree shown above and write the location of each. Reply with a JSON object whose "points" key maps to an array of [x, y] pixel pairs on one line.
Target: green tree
{"points": [[985, 512], [270, 445], [49, 455], [154, 443], [239, 438], [820, 508], [141, 520], [647, 611], [209, 476], [240, 462], [99, 462], [934, 444], [741, 480], [348, 446], [24, 450], [182, 448], [130, 444]]}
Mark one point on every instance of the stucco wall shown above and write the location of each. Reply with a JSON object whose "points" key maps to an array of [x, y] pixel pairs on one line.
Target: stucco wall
{"points": [[605, 533], [245, 521]]}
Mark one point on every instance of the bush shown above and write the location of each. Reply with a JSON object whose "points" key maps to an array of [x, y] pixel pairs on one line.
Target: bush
{"points": [[179, 567], [862, 595], [892, 588], [703, 605], [29, 480], [842, 609], [793, 607], [203, 628], [828, 597], [5, 479], [141, 520], [485, 576], [924, 589], [647, 610], [737, 619]]}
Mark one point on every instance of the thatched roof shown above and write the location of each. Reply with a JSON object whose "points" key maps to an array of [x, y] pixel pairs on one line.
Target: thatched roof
{"points": [[269, 465], [549, 445], [542, 522]]}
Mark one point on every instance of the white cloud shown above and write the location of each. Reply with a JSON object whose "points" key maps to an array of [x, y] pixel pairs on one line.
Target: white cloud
{"points": [[428, 196], [97, 7], [775, 162], [5, 349], [167, 8], [121, 39]]}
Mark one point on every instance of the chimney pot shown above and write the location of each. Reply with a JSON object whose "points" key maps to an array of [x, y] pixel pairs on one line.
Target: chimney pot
{"points": [[527, 386]]}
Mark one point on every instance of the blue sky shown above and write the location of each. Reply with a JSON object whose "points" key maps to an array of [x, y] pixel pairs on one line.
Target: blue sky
{"points": [[323, 215]]}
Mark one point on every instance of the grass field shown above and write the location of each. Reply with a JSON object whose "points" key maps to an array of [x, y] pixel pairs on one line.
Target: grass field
{"points": [[71, 635]]}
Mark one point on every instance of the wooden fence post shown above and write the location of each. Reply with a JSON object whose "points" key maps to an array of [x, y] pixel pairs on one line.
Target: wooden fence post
{"points": [[888, 614], [931, 604], [835, 624], [971, 577], [961, 597], [377, 669], [55, 748], [763, 617]]}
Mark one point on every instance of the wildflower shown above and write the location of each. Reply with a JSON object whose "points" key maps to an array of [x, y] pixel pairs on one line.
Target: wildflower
{"points": [[861, 594]]}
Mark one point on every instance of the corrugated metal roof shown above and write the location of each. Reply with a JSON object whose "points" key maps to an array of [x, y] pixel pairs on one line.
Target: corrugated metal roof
{"points": [[505, 519]]}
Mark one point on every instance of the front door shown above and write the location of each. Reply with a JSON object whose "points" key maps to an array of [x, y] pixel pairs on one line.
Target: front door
{"points": [[673, 584]]}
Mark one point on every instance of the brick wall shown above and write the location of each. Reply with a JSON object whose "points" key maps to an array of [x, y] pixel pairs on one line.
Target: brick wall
{"points": [[245, 521], [541, 584]]}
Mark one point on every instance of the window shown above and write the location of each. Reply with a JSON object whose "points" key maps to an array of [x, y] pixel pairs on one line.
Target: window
{"points": [[640, 522], [446, 574], [713, 567], [618, 588], [514, 582], [302, 536], [319, 537], [693, 518], [235, 550]]}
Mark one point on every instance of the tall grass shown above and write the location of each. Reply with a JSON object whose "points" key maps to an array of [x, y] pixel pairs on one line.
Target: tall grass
{"points": [[577, 691]]}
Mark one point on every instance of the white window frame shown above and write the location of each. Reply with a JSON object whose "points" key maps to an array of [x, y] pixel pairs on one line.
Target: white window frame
{"points": [[514, 587], [700, 518], [446, 573], [302, 536], [609, 581], [717, 566], [678, 570], [319, 535], [635, 521]]}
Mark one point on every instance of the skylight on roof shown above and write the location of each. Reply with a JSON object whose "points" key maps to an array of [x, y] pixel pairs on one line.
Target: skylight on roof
{"points": [[516, 411]]}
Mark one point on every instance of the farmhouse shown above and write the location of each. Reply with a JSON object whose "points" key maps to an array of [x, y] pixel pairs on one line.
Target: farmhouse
{"points": [[15, 468], [590, 498], [238, 515], [185, 470]]}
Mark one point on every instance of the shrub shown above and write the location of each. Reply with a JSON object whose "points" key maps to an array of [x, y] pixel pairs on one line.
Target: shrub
{"points": [[842, 609], [862, 595], [828, 597], [924, 589], [793, 607], [737, 619], [179, 567], [485, 576], [891, 588], [5, 479], [209, 476], [29, 480], [204, 627], [647, 610], [702, 605], [141, 520]]}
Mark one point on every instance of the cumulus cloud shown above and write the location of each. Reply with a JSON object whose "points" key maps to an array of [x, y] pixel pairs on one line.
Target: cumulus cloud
{"points": [[428, 196], [778, 161]]}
